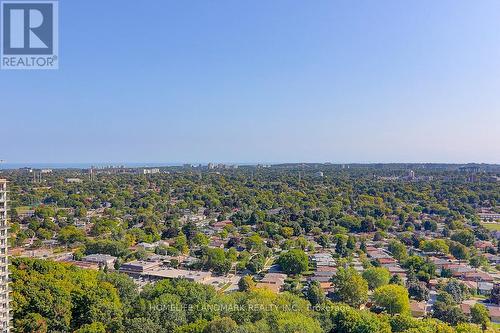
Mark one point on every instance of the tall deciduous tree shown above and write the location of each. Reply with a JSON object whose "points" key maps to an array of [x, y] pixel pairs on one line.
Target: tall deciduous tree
{"points": [[376, 277], [392, 298], [294, 261], [350, 287]]}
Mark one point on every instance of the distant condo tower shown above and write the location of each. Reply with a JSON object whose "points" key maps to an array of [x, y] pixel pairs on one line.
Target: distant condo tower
{"points": [[4, 273]]}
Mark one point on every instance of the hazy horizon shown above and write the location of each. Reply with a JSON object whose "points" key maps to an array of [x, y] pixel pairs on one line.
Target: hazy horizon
{"points": [[78, 165], [280, 81]]}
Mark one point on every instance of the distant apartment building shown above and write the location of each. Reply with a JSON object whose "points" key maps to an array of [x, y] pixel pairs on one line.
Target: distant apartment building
{"points": [[74, 180], [4, 274], [103, 260], [471, 168], [149, 171]]}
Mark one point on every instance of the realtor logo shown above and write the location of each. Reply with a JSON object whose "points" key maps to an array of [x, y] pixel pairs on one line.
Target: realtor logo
{"points": [[29, 34]]}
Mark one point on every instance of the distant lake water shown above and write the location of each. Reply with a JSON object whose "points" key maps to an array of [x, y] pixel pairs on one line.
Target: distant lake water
{"points": [[6, 166]]}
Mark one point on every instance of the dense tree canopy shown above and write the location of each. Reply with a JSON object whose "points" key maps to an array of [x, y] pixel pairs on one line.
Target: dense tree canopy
{"points": [[376, 277], [294, 261], [350, 287], [274, 216], [392, 299]]}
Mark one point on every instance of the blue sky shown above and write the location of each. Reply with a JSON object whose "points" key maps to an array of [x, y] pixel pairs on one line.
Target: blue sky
{"points": [[262, 81]]}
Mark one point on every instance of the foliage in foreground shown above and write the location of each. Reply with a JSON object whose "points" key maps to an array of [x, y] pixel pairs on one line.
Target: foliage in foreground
{"points": [[56, 297]]}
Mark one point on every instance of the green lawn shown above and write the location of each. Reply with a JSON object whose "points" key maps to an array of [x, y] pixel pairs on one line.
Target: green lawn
{"points": [[23, 209], [492, 226]]}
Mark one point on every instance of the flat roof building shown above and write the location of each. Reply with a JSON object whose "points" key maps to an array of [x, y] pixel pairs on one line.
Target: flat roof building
{"points": [[137, 267], [160, 273], [101, 259]]}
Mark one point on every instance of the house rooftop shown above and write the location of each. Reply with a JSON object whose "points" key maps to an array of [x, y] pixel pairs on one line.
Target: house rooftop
{"points": [[418, 306], [274, 278], [98, 256]]}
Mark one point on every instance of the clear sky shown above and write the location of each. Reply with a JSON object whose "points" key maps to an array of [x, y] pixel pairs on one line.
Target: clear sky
{"points": [[262, 81]]}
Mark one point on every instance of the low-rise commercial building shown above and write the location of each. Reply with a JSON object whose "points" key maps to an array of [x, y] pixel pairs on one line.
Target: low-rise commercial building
{"points": [[103, 260]]}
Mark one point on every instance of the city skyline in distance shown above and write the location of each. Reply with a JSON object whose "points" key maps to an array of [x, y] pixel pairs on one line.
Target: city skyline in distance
{"points": [[134, 165]]}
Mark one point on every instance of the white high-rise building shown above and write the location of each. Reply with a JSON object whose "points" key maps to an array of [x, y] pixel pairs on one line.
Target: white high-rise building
{"points": [[4, 273]]}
